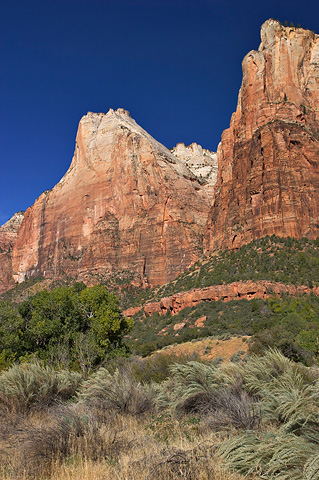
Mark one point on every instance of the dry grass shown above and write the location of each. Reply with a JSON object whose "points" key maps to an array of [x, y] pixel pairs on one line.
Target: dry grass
{"points": [[210, 348], [66, 445], [88, 470], [259, 417]]}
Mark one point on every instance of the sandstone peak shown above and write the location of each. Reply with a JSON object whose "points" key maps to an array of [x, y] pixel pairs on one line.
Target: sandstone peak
{"points": [[122, 111], [271, 31], [126, 204], [98, 135]]}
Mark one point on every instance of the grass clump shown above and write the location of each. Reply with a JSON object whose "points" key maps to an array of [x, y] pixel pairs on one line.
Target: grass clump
{"points": [[32, 386], [271, 456]]}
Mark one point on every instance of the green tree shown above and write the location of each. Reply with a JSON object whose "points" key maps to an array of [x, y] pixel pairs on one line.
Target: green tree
{"points": [[107, 324], [70, 324], [11, 333]]}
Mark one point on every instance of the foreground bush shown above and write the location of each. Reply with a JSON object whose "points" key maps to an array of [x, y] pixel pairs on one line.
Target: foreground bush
{"points": [[215, 392], [31, 386]]}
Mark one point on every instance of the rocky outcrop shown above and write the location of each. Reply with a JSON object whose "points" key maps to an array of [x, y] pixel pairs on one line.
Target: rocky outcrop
{"points": [[233, 291], [126, 204], [268, 177], [8, 236], [202, 162]]}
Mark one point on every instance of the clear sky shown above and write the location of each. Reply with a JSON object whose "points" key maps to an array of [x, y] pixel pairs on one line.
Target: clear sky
{"points": [[174, 64]]}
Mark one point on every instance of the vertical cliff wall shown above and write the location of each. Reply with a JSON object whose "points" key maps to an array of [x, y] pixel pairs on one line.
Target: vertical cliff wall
{"points": [[268, 159]]}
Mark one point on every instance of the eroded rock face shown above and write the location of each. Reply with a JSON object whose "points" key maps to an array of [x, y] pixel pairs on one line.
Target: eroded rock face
{"points": [[268, 177], [126, 203], [8, 236], [202, 162]]}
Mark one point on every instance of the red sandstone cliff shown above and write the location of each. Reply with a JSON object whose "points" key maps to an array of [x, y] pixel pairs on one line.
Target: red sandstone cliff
{"points": [[268, 159], [8, 236], [126, 203]]}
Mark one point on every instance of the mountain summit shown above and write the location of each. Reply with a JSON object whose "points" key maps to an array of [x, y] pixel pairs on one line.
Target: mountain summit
{"points": [[125, 204]]}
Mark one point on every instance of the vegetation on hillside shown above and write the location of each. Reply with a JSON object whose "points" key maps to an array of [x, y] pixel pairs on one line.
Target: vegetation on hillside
{"points": [[290, 324], [257, 418], [75, 404], [285, 260]]}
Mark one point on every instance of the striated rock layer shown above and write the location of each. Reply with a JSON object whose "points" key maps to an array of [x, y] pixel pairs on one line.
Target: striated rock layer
{"points": [[126, 203], [268, 177], [8, 236]]}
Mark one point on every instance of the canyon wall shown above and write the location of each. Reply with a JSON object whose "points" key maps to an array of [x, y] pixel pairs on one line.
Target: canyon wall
{"points": [[268, 159], [130, 207]]}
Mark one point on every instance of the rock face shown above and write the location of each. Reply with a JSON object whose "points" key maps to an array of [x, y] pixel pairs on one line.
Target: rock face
{"points": [[202, 162], [268, 178], [8, 236], [233, 291], [126, 203]]}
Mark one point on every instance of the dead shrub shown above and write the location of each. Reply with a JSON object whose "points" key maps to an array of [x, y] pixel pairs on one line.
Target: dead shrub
{"points": [[35, 447], [65, 432], [156, 368]]}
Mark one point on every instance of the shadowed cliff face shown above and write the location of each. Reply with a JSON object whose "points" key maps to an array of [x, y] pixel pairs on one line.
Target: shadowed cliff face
{"points": [[125, 203], [268, 159]]}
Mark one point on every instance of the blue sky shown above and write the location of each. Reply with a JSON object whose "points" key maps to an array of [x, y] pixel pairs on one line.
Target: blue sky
{"points": [[174, 64]]}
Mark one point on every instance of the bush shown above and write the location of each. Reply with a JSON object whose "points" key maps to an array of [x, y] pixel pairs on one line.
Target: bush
{"points": [[67, 432], [234, 408], [156, 368], [119, 392], [273, 456]]}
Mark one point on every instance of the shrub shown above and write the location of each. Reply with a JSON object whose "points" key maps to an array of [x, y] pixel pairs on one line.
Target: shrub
{"points": [[194, 386], [156, 368], [273, 456], [67, 432], [119, 392], [235, 408]]}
